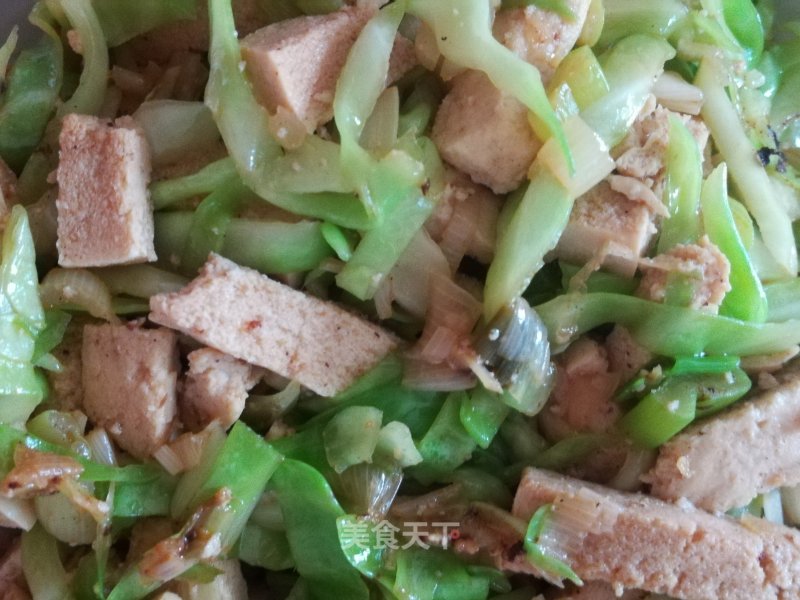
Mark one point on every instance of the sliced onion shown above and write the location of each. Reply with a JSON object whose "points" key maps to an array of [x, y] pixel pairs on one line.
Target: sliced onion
{"points": [[773, 508], [174, 129], [140, 281], [369, 489], [420, 263], [100, 446], [791, 504], [637, 462], [17, 513], [380, 131], [62, 519], [674, 93], [78, 287], [422, 375], [167, 458]]}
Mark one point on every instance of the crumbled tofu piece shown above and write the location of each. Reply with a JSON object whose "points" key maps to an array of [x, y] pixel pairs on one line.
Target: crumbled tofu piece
{"points": [[605, 223], [66, 386], [706, 269], [256, 319], [485, 133], [129, 380], [583, 397], [464, 221], [625, 355], [12, 578], [642, 153], [215, 388], [104, 213], [723, 463], [296, 63], [633, 541], [539, 36]]}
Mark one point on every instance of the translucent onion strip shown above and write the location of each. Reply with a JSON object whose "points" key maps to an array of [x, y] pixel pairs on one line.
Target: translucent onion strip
{"points": [[140, 281], [78, 287]]}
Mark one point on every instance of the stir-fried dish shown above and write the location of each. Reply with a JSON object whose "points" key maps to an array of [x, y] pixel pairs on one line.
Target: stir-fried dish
{"points": [[409, 300]]}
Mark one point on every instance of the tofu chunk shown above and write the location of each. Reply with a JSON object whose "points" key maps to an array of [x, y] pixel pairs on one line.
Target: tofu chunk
{"points": [[596, 590], [296, 63], [104, 213], [539, 36], [485, 133], [215, 388], [583, 397], [263, 322], [66, 386], [633, 541], [12, 578], [626, 356], [605, 222], [129, 380], [706, 270], [725, 462]]}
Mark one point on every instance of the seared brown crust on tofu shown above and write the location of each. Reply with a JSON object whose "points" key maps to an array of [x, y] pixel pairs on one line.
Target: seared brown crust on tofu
{"points": [[104, 212], [640, 542], [256, 319], [215, 388], [726, 461], [129, 380]]}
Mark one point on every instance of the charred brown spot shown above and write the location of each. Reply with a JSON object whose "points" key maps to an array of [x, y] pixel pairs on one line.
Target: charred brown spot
{"points": [[252, 325]]}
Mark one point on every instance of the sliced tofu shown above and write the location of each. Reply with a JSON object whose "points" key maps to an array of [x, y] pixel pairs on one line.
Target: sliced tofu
{"points": [[215, 388], [539, 36], [66, 386], [605, 223], [104, 213], [296, 63], [256, 319], [596, 590], [583, 397], [626, 356], [705, 269], [633, 541], [129, 380], [485, 133], [12, 577], [725, 462]]}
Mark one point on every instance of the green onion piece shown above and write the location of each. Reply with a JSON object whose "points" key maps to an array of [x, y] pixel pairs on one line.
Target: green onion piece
{"points": [[599, 281], [166, 193], [662, 413], [464, 36], [41, 563], [310, 512], [91, 90], [482, 413], [123, 20], [717, 391], [746, 300], [351, 436], [446, 445], [537, 554], [684, 177], [571, 451], [395, 444], [700, 365], [270, 247], [783, 299], [746, 170], [628, 17], [581, 70], [417, 111], [631, 67], [210, 223], [665, 330], [534, 225], [144, 499], [55, 325], [29, 101]]}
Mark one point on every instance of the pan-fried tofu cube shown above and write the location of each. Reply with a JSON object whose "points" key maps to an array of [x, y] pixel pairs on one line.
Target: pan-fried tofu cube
{"points": [[263, 322], [129, 381], [104, 213]]}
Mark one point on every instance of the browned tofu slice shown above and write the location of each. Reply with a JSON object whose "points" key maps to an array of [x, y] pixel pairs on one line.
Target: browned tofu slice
{"points": [[605, 221], [263, 322], [129, 381], [725, 462], [485, 133], [104, 213], [215, 388], [295, 63], [633, 541], [539, 36]]}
